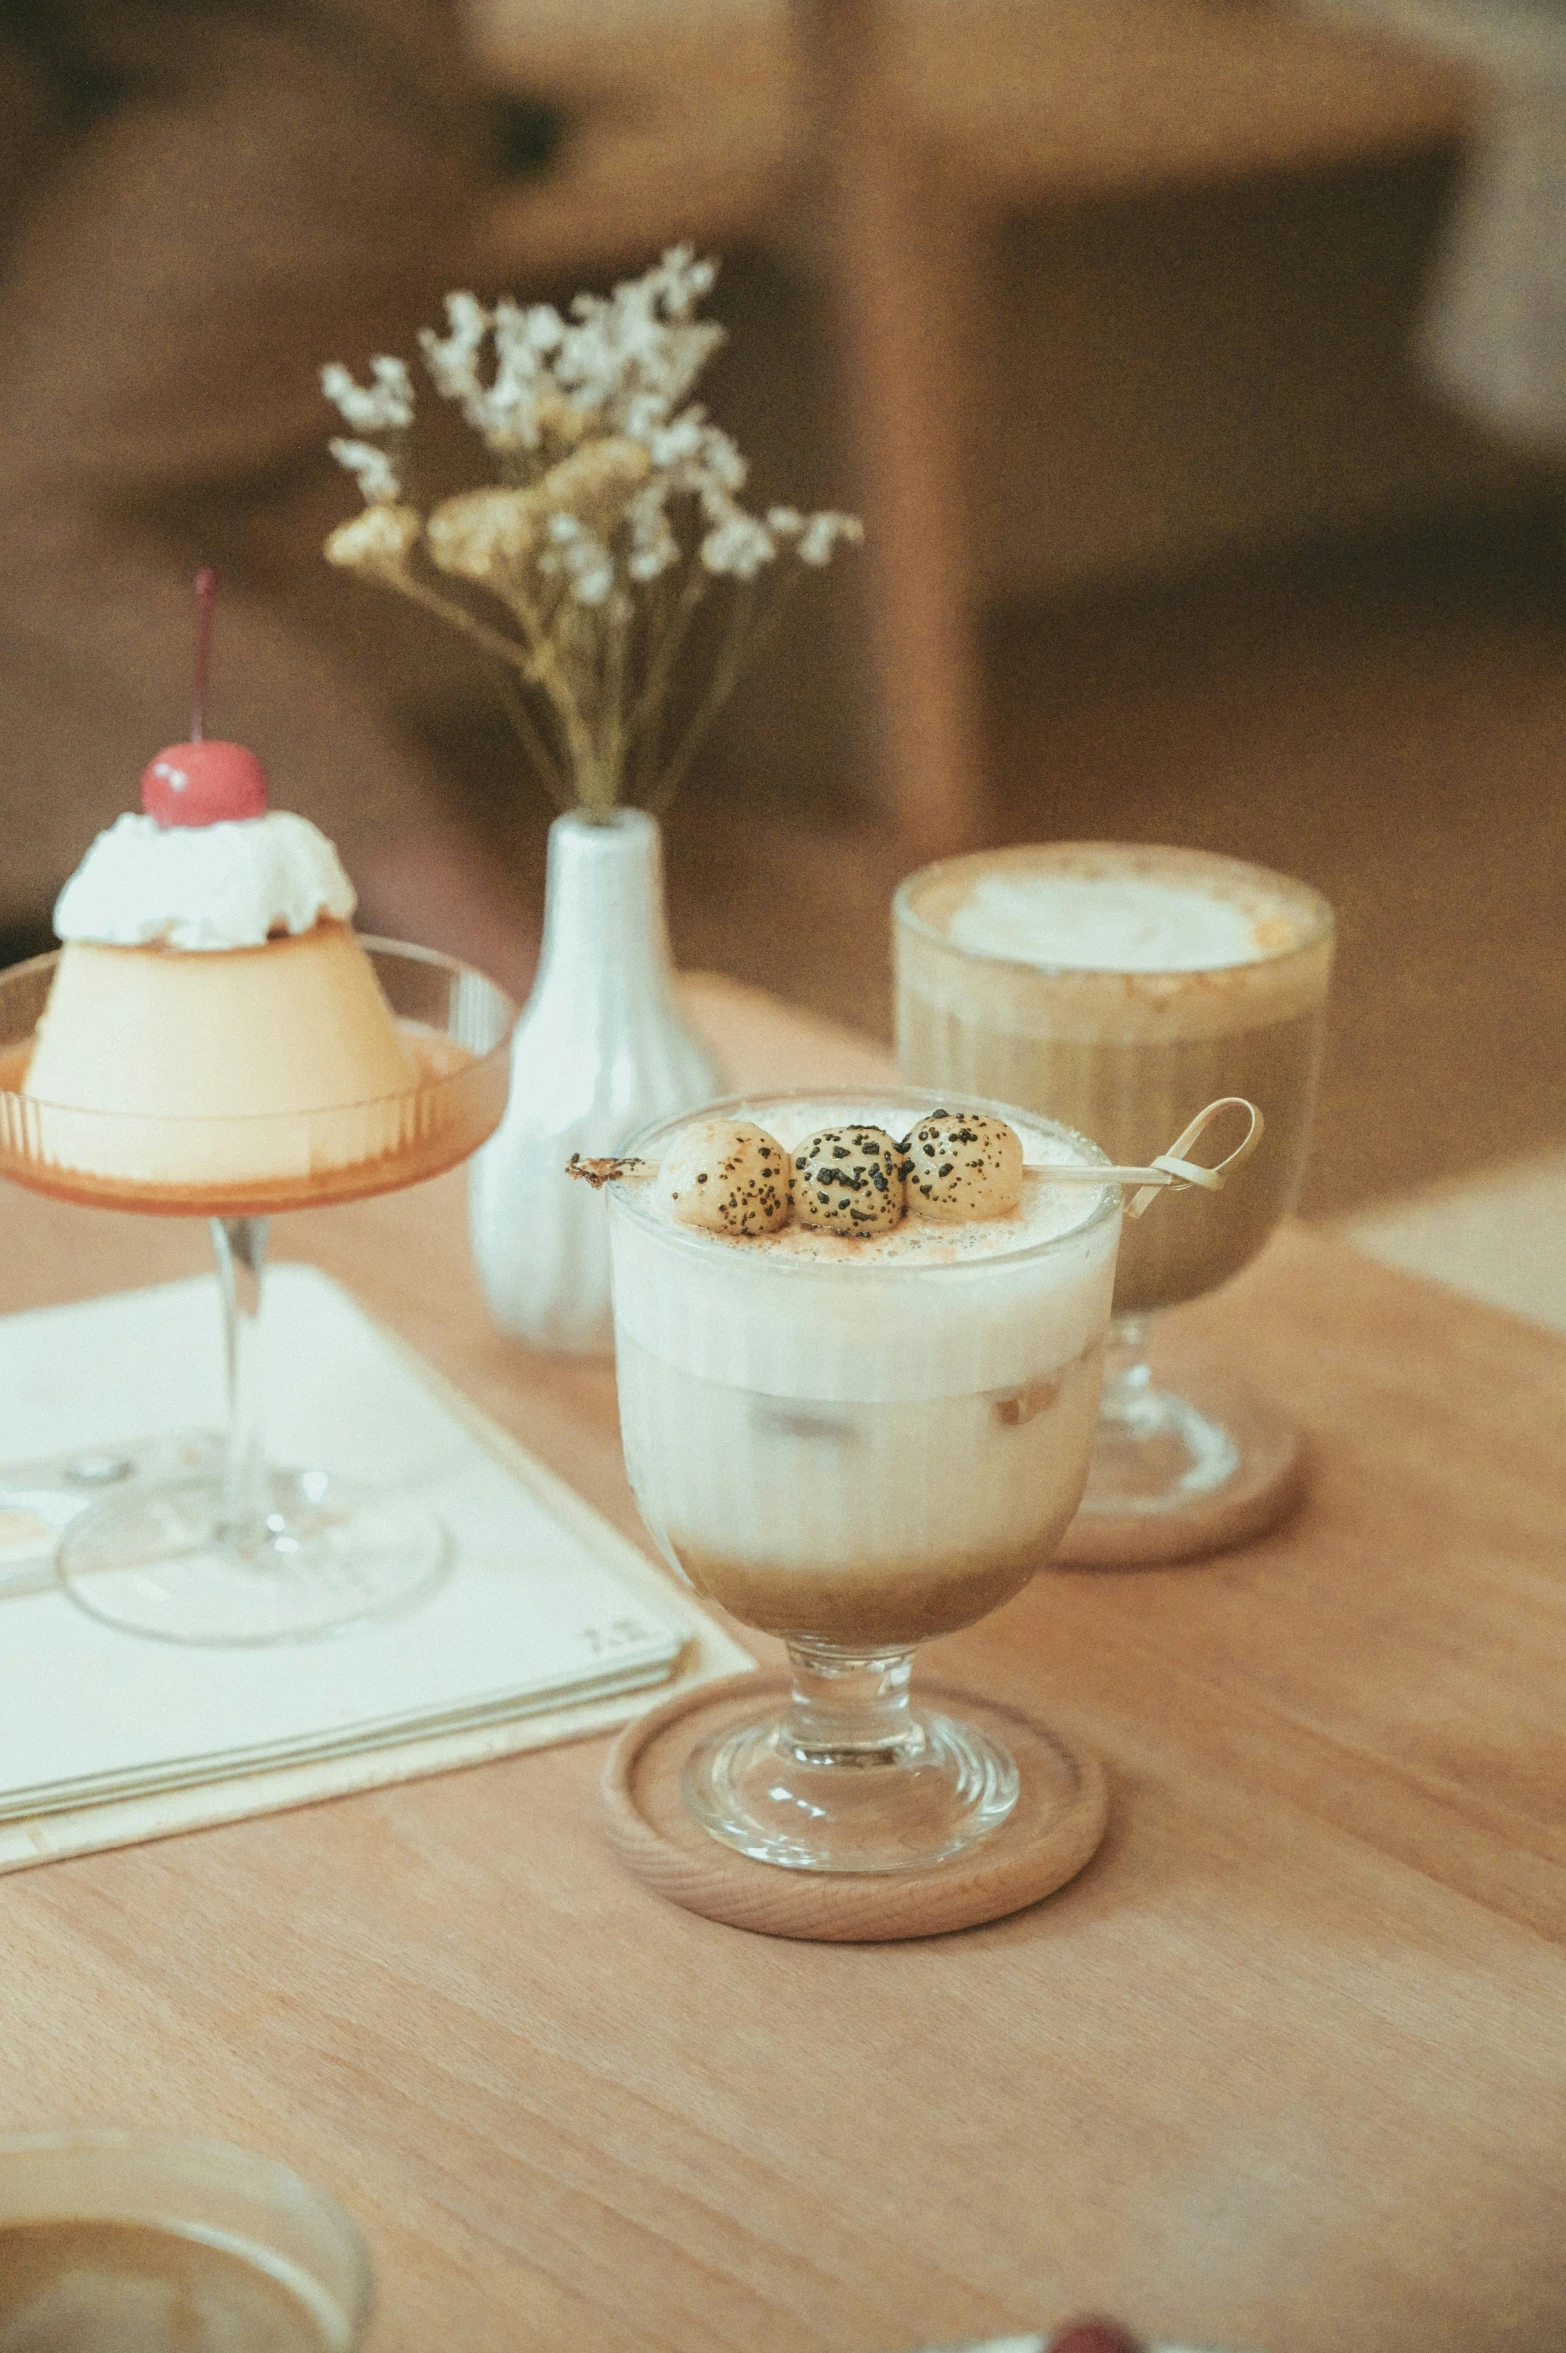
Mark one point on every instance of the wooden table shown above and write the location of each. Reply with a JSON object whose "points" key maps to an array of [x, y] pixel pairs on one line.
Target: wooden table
{"points": [[1285, 2068]]}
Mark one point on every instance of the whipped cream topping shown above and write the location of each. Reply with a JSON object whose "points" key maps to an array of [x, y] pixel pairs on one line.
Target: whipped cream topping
{"points": [[230, 885], [1105, 923]]}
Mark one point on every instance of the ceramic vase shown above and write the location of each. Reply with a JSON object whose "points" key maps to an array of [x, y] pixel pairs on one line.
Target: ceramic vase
{"points": [[600, 1049]]}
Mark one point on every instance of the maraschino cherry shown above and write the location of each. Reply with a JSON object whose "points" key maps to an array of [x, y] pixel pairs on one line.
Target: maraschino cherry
{"points": [[202, 782], [1095, 2335]]}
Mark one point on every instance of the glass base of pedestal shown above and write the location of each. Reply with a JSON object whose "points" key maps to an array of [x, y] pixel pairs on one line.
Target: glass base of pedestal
{"points": [[156, 1560], [937, 1794], [1184, 1474]]}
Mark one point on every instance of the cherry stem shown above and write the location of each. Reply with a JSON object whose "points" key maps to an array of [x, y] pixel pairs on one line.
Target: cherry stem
{"points": [[206, 598]]}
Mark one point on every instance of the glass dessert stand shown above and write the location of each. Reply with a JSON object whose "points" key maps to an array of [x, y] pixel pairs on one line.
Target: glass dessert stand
{"points": [[857, 1451], [224, 1547]]}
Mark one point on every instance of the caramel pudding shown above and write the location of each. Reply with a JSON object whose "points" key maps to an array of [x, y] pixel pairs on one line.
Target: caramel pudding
{"points": [[1120, 989], [863, 1437], [94, 2286], [214, 1035], [296, 1025], [309, 1160]]}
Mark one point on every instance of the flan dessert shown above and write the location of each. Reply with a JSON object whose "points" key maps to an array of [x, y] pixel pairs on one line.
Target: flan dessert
{"points": [[212, 1019]]}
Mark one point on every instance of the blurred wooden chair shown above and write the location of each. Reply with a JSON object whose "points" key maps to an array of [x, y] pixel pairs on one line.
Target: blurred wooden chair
{"points": [[895, 136]]}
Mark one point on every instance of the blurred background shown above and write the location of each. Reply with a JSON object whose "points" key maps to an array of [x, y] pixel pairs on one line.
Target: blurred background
{"points": [[1149, 336]]}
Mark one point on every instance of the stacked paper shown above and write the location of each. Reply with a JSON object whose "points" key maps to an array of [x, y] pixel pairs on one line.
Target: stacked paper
{"points": [[544, 1606]]}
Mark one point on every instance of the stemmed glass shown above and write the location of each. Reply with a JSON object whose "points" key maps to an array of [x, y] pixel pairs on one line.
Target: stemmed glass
{"points": [[857, 1451], [233, 1550], [1130, 1055]]}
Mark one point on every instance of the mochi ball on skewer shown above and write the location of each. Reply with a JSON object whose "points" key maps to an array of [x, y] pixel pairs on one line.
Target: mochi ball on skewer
{"points": [[963, 1165], [849, 1180], [727, 1176]]}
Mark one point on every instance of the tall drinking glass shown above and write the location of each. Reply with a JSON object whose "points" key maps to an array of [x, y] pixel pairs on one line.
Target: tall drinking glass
{"points": [[1120, 988], [857, 1444]]}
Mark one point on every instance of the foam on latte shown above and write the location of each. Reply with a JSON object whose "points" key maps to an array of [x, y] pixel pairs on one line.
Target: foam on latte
{"points": [[699, 1300], [1110, 923]]}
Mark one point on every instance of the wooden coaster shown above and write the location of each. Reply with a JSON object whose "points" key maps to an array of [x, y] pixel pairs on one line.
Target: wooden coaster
{"points": [[1057, 1823], [1263, 1491]]}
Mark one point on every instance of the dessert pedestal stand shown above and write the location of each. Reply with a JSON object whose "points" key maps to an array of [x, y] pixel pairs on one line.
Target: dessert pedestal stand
{"points": [[232, 1551], [1053, 1830]]}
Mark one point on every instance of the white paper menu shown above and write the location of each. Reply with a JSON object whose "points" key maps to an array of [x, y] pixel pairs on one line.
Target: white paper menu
{"points": [[536, 1611]]}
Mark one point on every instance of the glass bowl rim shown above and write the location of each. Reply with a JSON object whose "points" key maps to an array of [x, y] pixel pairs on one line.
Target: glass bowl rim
{"points": [[1106, 1198], [180, 1123], [1324, 921], [266, 2174]]}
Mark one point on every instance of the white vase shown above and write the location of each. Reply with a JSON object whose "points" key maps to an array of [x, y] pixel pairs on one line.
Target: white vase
{"points": [[600, 1049]]}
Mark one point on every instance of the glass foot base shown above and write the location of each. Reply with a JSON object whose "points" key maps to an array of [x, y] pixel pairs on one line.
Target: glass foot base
{"points": [[943, 1787], [156, 1560], [1183, 1475]]}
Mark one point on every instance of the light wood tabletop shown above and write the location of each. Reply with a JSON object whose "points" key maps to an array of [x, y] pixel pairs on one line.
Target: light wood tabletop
{"points": [[1285, 2068]]}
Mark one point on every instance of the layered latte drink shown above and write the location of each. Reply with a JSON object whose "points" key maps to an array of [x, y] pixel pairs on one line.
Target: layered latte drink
{"points": [[1121, 989], [863, 1436]]}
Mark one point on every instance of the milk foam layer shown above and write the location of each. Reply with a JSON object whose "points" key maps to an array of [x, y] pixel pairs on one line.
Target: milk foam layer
{"points": [[1110, 924], [924, 1311], [1279, 935], [204, 887]]}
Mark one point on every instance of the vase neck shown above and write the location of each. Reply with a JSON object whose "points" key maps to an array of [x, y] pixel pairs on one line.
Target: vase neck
{"points": [[603, 905]]}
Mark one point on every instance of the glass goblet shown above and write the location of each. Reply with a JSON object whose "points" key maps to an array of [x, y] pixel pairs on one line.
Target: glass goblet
{"points": [[234, 1550], [1130, 1054], [857, 1444]]}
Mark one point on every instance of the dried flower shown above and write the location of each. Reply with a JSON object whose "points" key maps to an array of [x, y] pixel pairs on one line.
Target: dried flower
{"points": [[385, 406], [578, 556], [371, 468], [822, 534], [595, 480], [618, 510], [738, 544], [482, 535], [380, 542]]}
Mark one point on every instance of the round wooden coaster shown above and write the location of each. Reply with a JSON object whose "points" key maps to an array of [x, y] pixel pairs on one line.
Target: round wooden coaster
{"points": [[1057, 1823], [1263, 1491]]}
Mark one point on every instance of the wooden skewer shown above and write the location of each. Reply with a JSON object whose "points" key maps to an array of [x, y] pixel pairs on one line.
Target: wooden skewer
{"points": [[1081, 1172], [1170, 1168]]}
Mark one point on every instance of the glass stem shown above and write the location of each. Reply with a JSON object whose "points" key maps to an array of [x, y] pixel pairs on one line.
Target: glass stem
{"points": [[240, 1244], [851, 1707], [1128, 1377]]}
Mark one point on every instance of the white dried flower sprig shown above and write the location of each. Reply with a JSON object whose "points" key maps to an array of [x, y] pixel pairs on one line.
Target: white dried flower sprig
{"points": [[617, 510]]}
